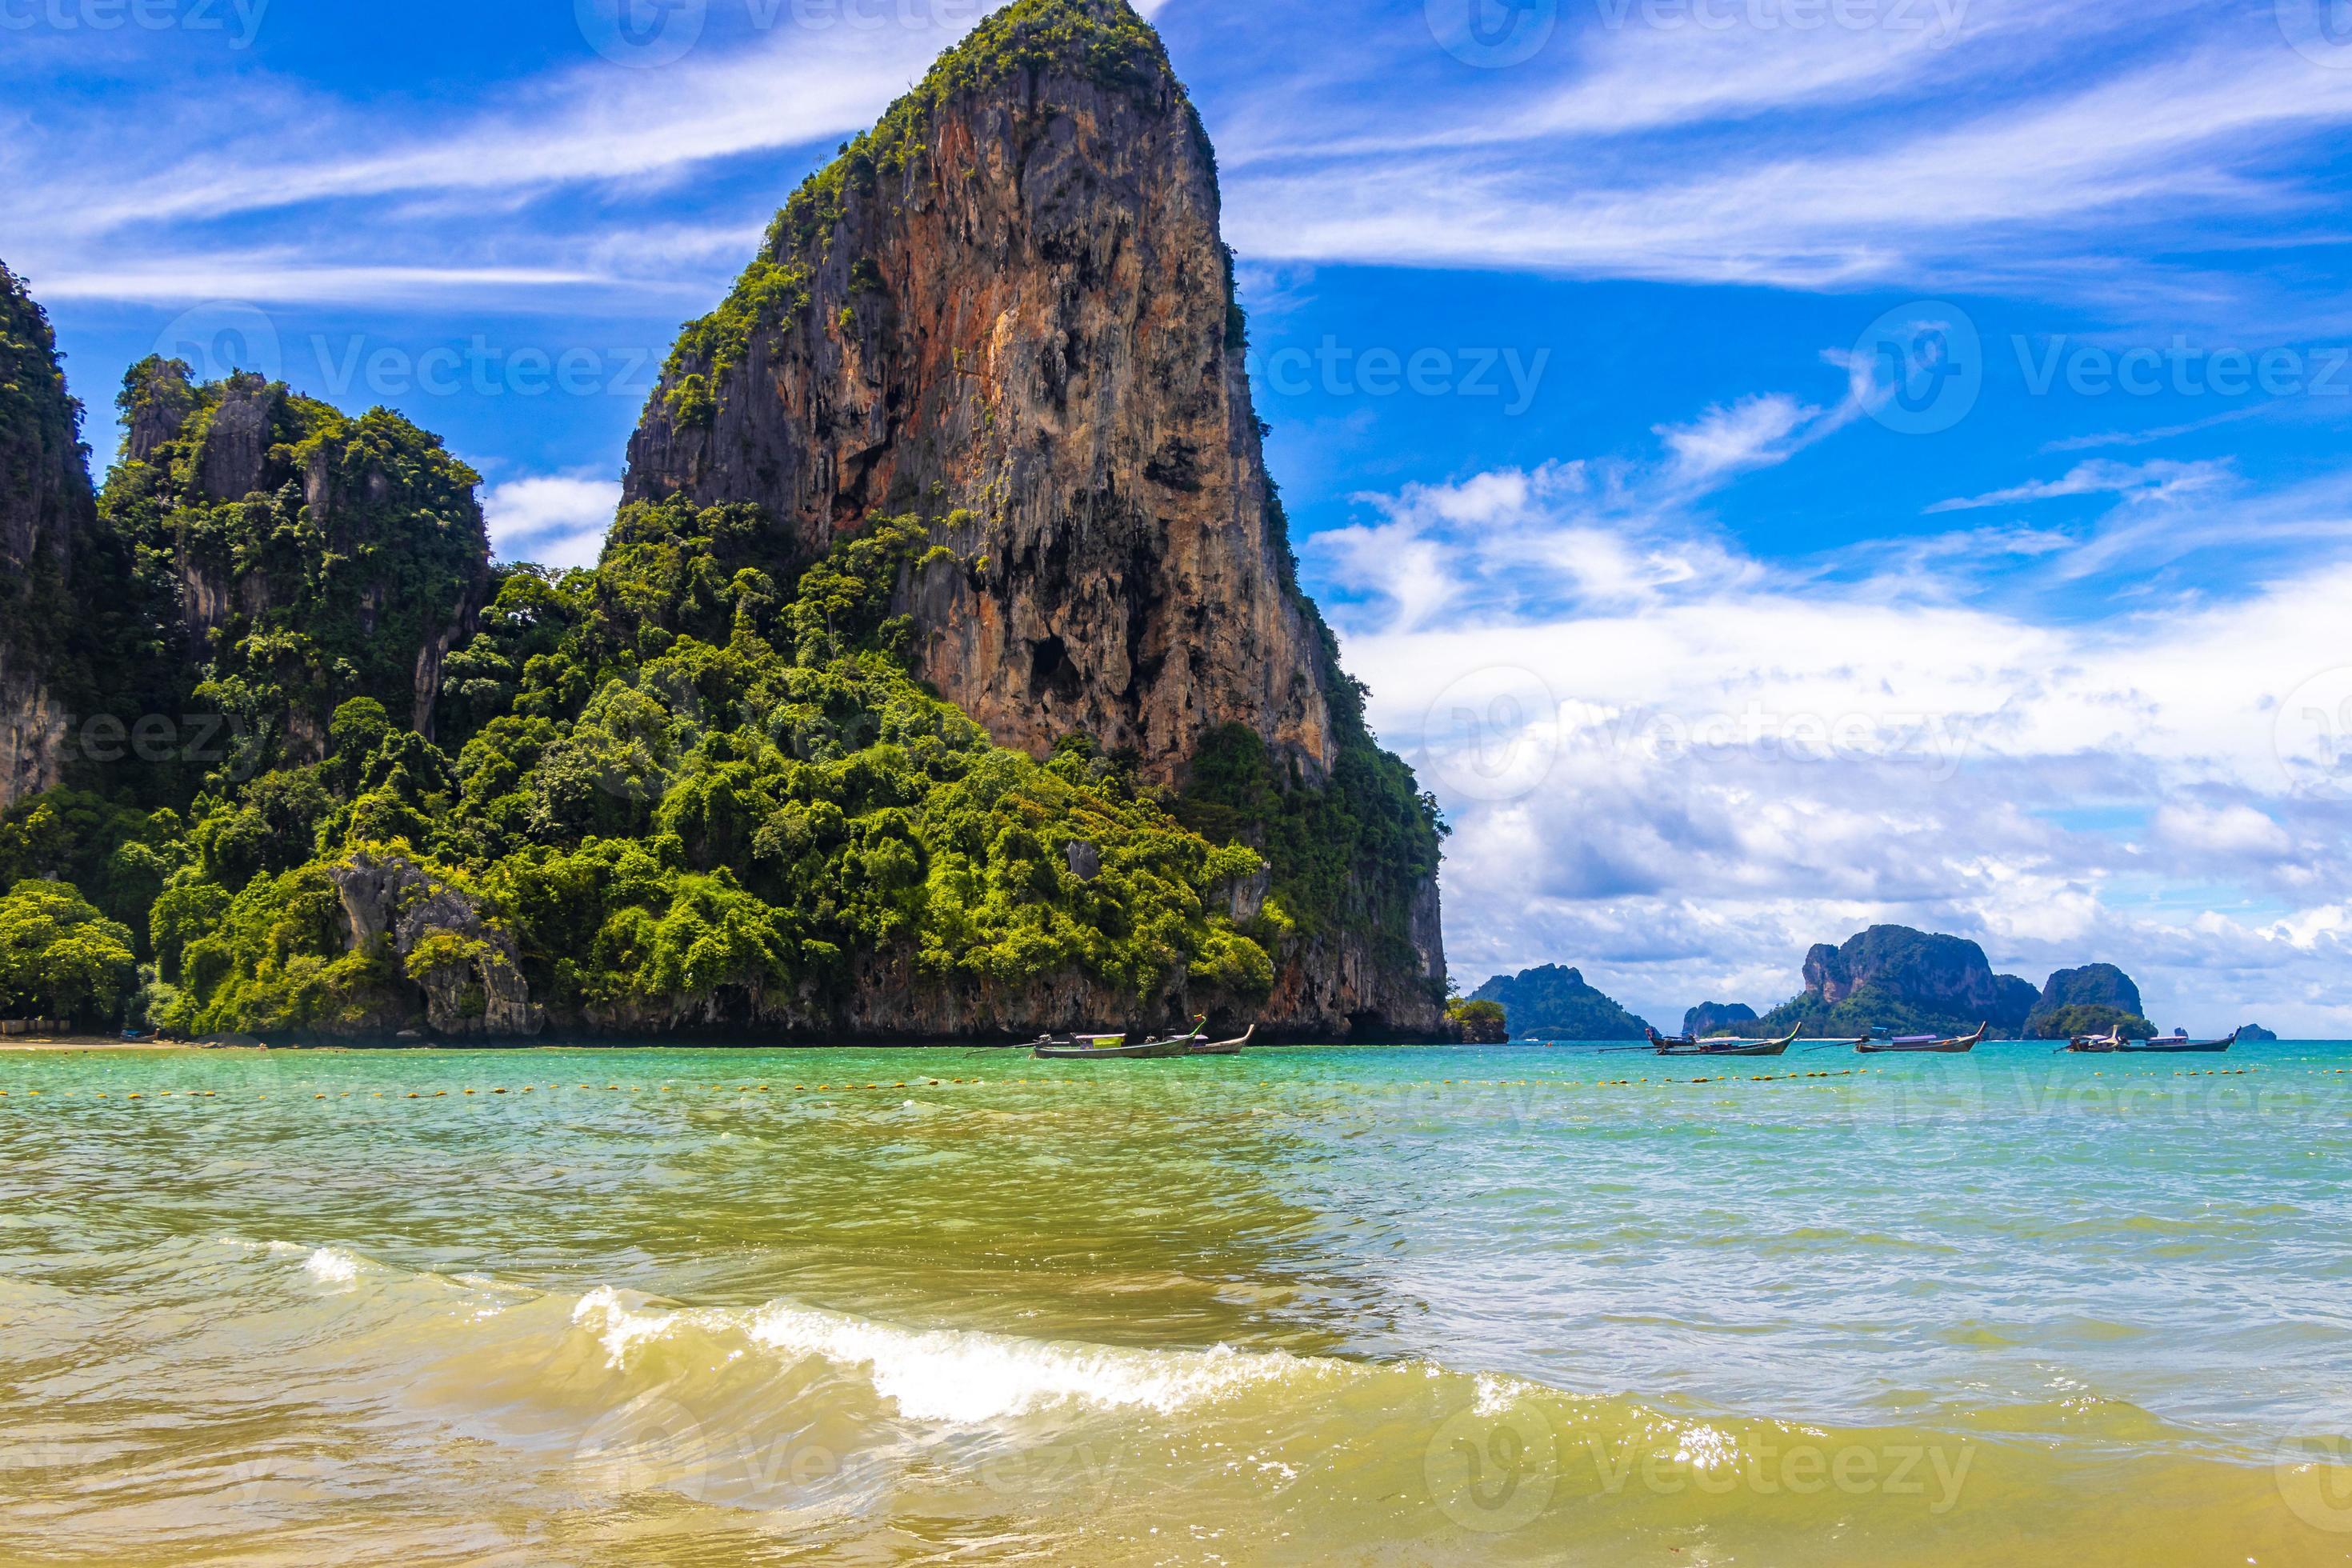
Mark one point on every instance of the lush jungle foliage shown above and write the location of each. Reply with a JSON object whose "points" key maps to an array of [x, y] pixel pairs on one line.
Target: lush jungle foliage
{"points": [[684, 796], [58, 956], [1479, 1023], [289, 560]]}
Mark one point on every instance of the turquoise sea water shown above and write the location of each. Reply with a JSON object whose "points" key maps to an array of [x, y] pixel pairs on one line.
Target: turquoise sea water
{"points": [[1368, 1305]]}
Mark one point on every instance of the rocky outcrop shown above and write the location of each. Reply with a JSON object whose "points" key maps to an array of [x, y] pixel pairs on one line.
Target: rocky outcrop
{"points": [[1717, 1018], [358, 539], [1009, 310], [47, 517], [1555, 1003], [2092, 985], [2092, 1000], [466, 968], [1011, 307], [1945, 975]]}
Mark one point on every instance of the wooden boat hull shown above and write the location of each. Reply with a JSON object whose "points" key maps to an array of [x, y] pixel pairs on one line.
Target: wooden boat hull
{"points": [[1154, 1050], [1958, 1047], [2180, 1048], [1223, 1047], [1667, 1048], [2111, 1046]]}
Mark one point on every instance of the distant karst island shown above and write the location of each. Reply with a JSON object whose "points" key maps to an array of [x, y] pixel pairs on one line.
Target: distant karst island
{"points": [[1888, 978]]}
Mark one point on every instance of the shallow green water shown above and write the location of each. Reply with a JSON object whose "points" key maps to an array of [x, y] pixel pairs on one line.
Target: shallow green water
{"points": [[1392, 1306]]}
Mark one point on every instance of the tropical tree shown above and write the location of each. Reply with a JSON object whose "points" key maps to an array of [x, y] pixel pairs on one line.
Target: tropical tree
{"points": [[58, 956]]}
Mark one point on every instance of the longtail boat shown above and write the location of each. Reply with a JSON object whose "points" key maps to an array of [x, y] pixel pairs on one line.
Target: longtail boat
{"points": [[2096, 1045], [1107, 1048], [1687, 1047], [1925, 1043], [2180, 1044], [1223, 1048], [1114, 1048]]}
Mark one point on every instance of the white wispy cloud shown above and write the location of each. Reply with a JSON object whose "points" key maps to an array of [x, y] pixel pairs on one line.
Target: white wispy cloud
{"points": [[2016, 171], [2157, 481], [553, 519]]}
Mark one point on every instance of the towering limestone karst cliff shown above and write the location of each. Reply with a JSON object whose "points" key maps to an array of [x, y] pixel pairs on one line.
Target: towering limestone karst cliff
{"points": [[47, 523], [1008, 308], [944, 673]]}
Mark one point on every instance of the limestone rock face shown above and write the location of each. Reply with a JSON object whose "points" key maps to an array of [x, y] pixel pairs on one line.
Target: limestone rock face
{"points": [[1009, 310], [472, 984], [375, 540], [1020, 319], [1717, 1017], [47, 517], [1556, 1004], [1945, 974]]}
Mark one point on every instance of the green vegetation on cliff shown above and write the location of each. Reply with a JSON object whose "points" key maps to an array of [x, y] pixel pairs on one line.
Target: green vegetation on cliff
{"points": [[62, 583], [1555, 1003], [292, 559], [2090, 1019], [686, 798]]}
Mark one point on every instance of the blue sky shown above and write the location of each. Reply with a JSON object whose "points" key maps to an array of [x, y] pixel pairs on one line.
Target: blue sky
{"points": [[1781, 464]]}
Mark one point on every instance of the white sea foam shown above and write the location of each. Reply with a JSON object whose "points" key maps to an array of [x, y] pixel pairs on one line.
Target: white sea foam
{"points": [[619, 1327], [965, 1376], [962, 1375]]}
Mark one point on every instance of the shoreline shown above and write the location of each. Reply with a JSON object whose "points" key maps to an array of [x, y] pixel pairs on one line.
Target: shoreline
{"points": [[67, 1045]]}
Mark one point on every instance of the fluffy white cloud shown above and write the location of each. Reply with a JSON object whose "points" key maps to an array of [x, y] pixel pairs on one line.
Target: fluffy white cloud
{"points": [[1680, 766], [551, 519]]}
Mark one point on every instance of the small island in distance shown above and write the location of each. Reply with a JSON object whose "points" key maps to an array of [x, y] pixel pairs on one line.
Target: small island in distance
{"points": [[1888, 978]]}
